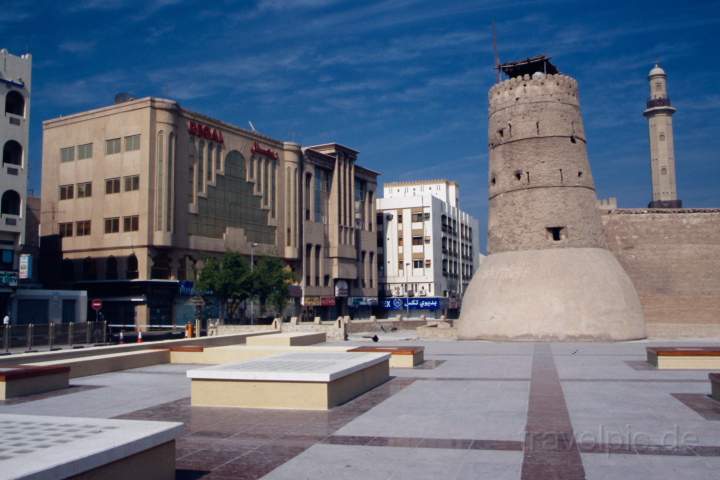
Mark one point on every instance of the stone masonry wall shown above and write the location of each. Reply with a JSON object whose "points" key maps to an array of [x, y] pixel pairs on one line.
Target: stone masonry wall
{"points": [[673, 258]]}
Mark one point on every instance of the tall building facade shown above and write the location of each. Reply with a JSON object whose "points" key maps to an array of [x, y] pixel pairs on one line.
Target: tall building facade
{"points": [[659, 113], [15, 93], [137, 195], [430, 247], [548, 273]]}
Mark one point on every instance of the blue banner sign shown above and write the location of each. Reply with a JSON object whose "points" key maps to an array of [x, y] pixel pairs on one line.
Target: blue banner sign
{"points": [[413, 303]]}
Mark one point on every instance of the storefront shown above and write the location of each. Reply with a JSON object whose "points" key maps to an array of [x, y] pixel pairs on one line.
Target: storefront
{"points": [[362, 307], [415, 306]]}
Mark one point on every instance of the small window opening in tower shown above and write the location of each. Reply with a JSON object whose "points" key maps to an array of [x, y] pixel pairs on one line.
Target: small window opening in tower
{"points": [[509, 129], [528, 176], [501, 132], [572, 139], [663, 170], [518, 174], [580, 174], [492, 181], [556, 233], [662, 136], [561, 176], [537, 127]]}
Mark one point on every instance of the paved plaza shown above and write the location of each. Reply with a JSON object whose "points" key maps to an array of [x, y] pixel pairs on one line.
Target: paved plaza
{"points": [[472, 410]]}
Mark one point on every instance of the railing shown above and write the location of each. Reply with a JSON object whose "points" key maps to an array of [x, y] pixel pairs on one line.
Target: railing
{"points": [[52, 336], [658, 102]]}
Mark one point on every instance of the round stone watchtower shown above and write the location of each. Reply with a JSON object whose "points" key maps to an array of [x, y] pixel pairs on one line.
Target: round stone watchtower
{"points": [[548, 274]]}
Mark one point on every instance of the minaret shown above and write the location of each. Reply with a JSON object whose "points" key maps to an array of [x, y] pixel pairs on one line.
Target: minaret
{"points": [[549, 274], [659, 113]]}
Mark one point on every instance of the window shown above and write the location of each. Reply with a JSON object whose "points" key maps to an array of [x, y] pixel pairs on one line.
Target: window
{"points": [[132, 142], [417, 264], [131, 224], [556, 233], [400, 218], [426, 216], [112, 146], [82, 228], [428, 263], [417, 217], [66, 192], [112, 185], [417, 240], [12, 153], [67, 154], [66, 229], [427, 240], [85, 151], [15, 103], [132, 183], [112, 225], [84, 189]]}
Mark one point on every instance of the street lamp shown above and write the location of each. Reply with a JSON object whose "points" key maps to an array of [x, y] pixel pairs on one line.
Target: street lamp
{"points": [[252, 265]]}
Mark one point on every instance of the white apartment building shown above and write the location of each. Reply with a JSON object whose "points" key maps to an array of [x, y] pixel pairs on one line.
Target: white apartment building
{"points": [[428, 247], [15, 81]]}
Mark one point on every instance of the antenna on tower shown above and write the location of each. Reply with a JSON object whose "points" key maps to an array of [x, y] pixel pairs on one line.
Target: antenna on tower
{"points": [[252, 126], [495, 51]]}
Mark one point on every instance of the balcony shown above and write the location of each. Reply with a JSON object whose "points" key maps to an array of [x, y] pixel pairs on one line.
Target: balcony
{"points": [[658, 102]]}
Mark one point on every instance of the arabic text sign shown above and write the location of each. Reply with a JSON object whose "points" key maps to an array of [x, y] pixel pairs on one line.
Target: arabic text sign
{"points": [[403, 303]]}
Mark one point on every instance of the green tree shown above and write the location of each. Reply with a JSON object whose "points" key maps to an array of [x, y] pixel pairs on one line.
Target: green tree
{"points": [[270, 281], [227, 279]]}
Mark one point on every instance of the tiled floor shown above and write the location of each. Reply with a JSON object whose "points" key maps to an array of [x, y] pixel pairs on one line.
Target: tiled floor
{"points": [[476, 410]]}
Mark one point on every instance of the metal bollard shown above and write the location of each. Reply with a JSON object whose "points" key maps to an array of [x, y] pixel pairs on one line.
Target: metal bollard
{"points": [[88, 333], [51, 335], [30, 329], [71, 327], [104, 332], [6, 340]]}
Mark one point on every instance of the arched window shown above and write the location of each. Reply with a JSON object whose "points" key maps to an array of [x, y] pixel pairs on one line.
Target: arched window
{"points": [[89, 272], [10, 204], [12, 153], [132, 267], [15, 103], [111, 268]]}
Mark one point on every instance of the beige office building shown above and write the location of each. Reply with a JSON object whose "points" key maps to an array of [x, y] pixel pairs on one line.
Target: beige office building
{"points": [[141, 192]]}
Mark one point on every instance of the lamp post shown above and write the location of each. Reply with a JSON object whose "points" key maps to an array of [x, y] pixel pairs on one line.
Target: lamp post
{"points": [[252, 266]]}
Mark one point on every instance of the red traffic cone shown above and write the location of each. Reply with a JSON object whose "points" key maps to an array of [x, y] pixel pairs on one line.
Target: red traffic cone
{"points": [[139, 340]]}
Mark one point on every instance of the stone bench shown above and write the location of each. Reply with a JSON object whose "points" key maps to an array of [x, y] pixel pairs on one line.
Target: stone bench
{"points": [[21, 380], [401, 357], [698, 358], [36, 447], [186, 354], [715, 385], [290, 339], [112, 362], [298, 381], [242, 353]]}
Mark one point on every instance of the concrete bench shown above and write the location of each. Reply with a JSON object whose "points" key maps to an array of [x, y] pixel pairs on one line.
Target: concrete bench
{"points": [[290, 339], [242, 353], [186, 354], [298, 381], [21, 380], [401, 357], [698, 358], [97, 364], [36, 447], [715, 385]]}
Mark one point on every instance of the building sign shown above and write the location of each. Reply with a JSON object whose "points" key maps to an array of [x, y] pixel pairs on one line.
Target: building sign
{"points": [[25, 266], [312, 301], [8, 279], [327, 301], [362, 301], [413, 303], [257, 149], [341, 288], [203, 131]]}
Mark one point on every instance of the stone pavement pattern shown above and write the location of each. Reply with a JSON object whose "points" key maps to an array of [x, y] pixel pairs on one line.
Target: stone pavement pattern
{"points": [[473, 410]]}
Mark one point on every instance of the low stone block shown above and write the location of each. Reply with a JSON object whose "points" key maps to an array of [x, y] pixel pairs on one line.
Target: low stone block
{"points": [[298, 381], [112, 362], [21, 380], [400, 357], [684, 358], [715, 385], [88, 448], [289, 339]]}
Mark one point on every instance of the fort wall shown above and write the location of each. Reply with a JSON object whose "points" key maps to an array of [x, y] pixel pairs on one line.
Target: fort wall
{"points": [[673, 259]]}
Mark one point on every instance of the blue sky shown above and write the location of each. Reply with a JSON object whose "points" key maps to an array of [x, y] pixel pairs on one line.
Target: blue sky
{"points": [[403, 81]]}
